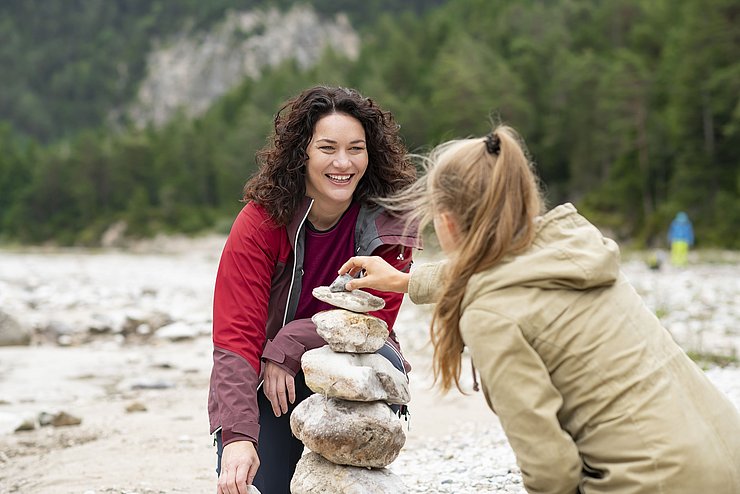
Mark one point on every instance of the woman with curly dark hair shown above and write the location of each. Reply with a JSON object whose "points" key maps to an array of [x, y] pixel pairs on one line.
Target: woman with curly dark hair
{"points": [[310, 207]]}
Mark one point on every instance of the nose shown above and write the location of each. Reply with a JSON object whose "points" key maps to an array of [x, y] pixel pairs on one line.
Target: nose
{"points": [[341, 160]]}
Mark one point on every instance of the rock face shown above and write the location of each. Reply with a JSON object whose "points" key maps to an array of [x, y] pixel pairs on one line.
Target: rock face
{"points": [[12, 333], [193, 70], [355, 301], [354, 377], [348, 433], [316, 475], [347, 331]]}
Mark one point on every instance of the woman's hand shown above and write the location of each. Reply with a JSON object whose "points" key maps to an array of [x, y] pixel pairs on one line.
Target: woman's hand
{"points": [[239, 464], [279, 387], [378, 275]]}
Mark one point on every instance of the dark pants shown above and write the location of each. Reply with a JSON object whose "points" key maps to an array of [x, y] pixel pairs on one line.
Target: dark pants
{"points": [[279, 450]]}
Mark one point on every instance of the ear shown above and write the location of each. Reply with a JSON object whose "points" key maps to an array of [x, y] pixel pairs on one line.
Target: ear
{"points": [[450, 224]]}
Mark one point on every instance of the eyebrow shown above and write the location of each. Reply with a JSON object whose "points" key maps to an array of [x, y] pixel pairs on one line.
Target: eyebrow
{"points": [[332, 141]]}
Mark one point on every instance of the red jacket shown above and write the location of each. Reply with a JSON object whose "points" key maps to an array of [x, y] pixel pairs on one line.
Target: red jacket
{"points": [[257, 290]]}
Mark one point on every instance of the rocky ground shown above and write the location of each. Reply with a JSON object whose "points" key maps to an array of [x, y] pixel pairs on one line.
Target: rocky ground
{"points": [[120, 344]]}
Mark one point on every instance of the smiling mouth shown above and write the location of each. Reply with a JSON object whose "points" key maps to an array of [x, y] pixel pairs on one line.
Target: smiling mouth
{"points": [[342, 179]]}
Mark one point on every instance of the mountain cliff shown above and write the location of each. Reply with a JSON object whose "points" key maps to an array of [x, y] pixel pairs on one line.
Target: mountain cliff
{"points": [[190, 70]]}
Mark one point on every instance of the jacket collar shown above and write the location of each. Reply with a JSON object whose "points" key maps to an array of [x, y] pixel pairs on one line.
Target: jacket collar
{"points": [[298, 219], [370, 231]]}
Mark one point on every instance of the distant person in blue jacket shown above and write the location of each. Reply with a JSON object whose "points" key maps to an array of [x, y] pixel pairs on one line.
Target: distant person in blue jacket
{"points": [[681, 237]]}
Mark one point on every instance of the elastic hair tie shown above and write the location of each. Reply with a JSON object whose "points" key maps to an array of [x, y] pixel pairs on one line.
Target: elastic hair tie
{"points": [[493, 144]]}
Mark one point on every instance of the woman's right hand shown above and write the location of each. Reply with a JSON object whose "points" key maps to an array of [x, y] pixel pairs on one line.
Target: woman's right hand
{"points": [[239, 464], [279, 387], [377, 275]]}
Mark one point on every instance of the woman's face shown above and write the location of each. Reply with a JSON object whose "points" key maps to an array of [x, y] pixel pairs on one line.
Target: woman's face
{"points": [[337, 160]]}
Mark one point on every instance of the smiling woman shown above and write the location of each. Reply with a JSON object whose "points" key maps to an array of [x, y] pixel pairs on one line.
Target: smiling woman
{"points": [[337, 160], [310, 207]]}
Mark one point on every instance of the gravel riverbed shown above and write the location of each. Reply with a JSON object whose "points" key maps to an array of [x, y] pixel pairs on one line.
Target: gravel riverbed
{"points": [[121, 340]]}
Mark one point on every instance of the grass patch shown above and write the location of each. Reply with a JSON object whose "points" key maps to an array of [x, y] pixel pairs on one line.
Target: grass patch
{"points": [[707, 360], [696, 256], [661, 312]]}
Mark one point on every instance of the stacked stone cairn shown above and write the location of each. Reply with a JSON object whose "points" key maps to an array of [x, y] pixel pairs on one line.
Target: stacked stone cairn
{"points": [[347, 424]]}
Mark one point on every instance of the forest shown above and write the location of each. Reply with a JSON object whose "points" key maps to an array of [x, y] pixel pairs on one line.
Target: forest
{"points": [[630, 108]]}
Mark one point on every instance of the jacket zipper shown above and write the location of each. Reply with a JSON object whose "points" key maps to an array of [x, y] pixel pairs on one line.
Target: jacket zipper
{"points": [[295, 262]]}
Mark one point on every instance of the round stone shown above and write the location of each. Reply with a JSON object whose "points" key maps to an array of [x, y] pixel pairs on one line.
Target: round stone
{"points": [[347, 331], [348, 432]]}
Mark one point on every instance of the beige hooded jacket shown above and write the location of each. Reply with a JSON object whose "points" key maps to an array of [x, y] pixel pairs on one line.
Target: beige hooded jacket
{"points": [[592, 392]]}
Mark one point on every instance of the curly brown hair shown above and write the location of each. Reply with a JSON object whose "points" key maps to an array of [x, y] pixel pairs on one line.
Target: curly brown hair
{"points": [[279, 185]]}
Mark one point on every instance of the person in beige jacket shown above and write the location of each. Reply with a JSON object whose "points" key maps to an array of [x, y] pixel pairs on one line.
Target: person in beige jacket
{"points": [[592, 392]]}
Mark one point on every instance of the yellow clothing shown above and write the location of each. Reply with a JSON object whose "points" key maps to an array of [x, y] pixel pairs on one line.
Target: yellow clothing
{"points": [[679, 252]]}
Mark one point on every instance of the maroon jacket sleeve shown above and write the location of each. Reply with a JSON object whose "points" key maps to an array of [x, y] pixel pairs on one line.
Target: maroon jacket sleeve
{"points": [[291, 342], [300, 335], [240, 305]]}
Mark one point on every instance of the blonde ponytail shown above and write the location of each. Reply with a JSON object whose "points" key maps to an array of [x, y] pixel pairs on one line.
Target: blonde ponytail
{"points": [[489, 187]]}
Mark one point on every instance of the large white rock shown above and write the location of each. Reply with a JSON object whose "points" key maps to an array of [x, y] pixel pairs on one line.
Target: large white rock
{"points": [[347, 331], [356, 300], [316, 475], [354, 377], [347, 432], [12, 332]]}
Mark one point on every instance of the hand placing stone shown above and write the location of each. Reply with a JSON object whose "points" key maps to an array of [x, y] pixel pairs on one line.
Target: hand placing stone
{"points": [[356, 300]]}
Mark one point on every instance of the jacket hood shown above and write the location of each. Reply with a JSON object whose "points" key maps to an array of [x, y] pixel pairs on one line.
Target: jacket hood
{"points": [[568, 253]]}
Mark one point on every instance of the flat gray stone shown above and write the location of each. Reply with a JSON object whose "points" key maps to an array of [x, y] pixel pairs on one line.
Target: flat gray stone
{"points": [[316, 475], [338, 285], [356, 300], [347, 331], [347, 432], [354, 377]]}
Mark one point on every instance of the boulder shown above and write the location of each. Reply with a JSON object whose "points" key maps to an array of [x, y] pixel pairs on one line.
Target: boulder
{"points": [[27, 424], [347, 432], [347, 331], [64, 419], [316, 475], [12, 333], [15, 422], [136, 406], [135, 319], [354, 377], [179, 331], [356, 300]]}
